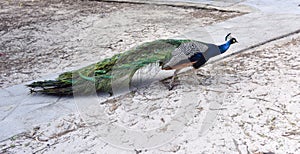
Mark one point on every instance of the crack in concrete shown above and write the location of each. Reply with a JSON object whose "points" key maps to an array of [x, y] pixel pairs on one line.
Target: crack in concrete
{"points": [[49, 105], [10, 112]]}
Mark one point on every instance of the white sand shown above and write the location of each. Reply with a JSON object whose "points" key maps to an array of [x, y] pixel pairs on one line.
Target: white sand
{"points": [[260, 112]]}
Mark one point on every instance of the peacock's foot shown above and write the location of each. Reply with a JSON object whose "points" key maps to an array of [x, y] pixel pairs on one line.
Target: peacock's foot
{"points": [[171, 86], [169, 83]]}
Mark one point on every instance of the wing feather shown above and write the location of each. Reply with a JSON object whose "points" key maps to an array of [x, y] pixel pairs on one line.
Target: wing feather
{"points": [[184, 53]]}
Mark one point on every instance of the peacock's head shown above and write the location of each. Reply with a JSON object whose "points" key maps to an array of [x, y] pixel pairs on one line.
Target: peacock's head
{"points": [[232, 39]]}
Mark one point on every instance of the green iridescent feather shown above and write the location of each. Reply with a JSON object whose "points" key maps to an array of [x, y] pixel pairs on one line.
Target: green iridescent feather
{"points": [[101, 74]]}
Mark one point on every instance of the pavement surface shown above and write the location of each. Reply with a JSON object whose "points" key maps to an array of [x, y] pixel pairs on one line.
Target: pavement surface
{"points": [[20, 110]]}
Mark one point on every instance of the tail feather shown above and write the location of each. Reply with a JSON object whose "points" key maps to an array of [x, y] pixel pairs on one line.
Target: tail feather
{"points": [[102, 73]]}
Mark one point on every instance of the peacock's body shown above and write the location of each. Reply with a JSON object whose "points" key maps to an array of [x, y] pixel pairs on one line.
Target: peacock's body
{"points": [[169, 53]]}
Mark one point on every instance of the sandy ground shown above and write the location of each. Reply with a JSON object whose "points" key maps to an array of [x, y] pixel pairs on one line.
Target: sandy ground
{"points": [[259, 88], [39, 38], [259, 113]]}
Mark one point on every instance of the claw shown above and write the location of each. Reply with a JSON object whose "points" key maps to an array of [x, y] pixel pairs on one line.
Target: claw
{"points": [[171, 86]]}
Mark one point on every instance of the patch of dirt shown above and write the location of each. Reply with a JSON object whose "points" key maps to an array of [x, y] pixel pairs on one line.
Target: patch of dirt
{"points": [[39, 38]]}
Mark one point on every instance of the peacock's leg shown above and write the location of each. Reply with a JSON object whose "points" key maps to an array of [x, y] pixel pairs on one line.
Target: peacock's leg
{"points": [[196, 75], [171, 85]]}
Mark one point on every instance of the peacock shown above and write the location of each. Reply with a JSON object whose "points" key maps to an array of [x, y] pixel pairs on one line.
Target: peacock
{"points": [[169, 54]]}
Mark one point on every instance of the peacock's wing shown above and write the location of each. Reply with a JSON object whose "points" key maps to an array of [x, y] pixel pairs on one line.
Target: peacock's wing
{"points": [[186, 53], [101, 74]]}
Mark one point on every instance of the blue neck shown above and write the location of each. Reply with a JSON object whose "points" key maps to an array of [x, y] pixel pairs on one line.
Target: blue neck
{"points": [[224, 47]]}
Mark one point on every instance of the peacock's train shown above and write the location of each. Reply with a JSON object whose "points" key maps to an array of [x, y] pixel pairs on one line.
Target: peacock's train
{"points": [[170, 54]]}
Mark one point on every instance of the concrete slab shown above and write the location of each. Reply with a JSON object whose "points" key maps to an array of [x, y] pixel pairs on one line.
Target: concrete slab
{"points": [[278, 6], [255, 29], [267, 6], [232, 5], [219, 3], [20, 111]]}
